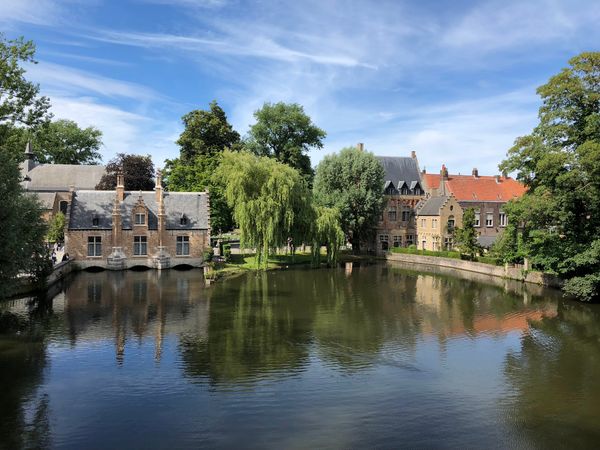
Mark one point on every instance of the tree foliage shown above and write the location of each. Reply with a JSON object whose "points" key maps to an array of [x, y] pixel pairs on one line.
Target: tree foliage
{"points": [[138, 171], [466, 237], [560, 164], [283, 131], [56, 228], [327, 231], [23, 229], [267, 199], [352, 182], [63, 142], [206, 135]]}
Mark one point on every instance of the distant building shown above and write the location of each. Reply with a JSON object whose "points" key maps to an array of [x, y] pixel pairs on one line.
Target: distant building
{"points": [[402, 189], [53, 183], [485, 194], [121, 229], [437, 217]]}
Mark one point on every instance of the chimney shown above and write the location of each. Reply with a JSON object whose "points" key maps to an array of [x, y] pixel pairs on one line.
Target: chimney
{"points": [[444, 172], [497, 178], [413, 154], [158, 188], [360, 146], [120, 186], [29, 162], [475, 172]]}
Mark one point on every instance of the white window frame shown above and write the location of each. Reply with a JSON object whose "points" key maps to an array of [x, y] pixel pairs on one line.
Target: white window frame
{"points": [[502, 219], [477, 218], [434, 223], [141, 221], [96, 245], [489, 219], [182, 246], [140, 246], [392, 212]]}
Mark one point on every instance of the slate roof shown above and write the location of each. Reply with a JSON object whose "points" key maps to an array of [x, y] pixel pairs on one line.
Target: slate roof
{"points": [[483, 188], [486, 241], [400, 170], [431, 206], [46, 199], [59, 177], [87, 205]]}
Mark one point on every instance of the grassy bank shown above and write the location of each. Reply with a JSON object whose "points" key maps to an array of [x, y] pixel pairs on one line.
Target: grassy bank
{"points": [[446, 254]]}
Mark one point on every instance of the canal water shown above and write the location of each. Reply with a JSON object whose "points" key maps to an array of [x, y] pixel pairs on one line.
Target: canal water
{"points": [[380, 356]]}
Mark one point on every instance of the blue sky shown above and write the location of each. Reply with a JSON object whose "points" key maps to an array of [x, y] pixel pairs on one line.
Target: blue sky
{"points": [[454, 81]]}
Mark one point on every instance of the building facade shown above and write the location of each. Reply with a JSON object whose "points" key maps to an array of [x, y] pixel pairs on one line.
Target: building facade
{"points": [[121, 229], [437, 217], [485, 194], [402, 190]]}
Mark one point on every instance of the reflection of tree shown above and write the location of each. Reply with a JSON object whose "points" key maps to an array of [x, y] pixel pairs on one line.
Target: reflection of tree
{"points": [[257, 327], [24, 413], [554, 378]]}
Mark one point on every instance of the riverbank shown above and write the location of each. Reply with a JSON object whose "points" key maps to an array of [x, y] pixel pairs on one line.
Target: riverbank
{"points": [[517, 273]]}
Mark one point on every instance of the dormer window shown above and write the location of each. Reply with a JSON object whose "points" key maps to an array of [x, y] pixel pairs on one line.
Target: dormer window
{"points": [[183, 220], [95, 221], [140, 219], [405, 190]]}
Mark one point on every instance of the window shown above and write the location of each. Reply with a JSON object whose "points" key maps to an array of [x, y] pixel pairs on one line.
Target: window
{"points": [[409, 239], [450, 223], [140, 218], [397, 241], [140, 245], [183, 220], [502, 220], [448, 244], [489, 219], [389, 191], [94, 246], [62, 206], [405, 191], [477, 218], [418, 191], [95, 221], [392, 214], [405, 216], [183, 246], [383, 237], [423, 223], [434, 223]]}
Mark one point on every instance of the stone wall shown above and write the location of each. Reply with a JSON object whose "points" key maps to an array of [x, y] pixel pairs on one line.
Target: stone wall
{"points": [[512, 273]]}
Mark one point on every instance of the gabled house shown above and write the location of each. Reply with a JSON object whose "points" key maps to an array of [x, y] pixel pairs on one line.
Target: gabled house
{"points": [[485, 194], [121, 229], [402, 189], [437, 217]]}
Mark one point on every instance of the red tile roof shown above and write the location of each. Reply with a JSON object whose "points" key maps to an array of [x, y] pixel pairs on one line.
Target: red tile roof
{"points": [[483, 188]]}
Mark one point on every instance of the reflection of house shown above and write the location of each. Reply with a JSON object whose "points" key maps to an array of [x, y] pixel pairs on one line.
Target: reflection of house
{"points": [[402, 191], [485, 194], [436, 219], [119, 229], [53, 183]]}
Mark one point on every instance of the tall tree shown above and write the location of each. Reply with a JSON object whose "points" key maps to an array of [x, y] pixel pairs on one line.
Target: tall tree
{"points": [[138, 171], [283, 131], [267, 198], [352, 182], [63, 142], [560, 164], [328, 232], [466, 237], [23, 229], [205, 136]]}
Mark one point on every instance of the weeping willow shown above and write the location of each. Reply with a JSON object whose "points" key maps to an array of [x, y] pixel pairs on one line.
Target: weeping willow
{"points": [[270, 201], [327, 231]]}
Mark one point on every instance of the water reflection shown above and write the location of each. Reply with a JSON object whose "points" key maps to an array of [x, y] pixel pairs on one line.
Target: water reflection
{"points": [[380, 347]]}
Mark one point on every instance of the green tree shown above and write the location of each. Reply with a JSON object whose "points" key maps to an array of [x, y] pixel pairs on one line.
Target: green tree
{"points": [[560, 164], [267, 199], [206, 135], [328, 232], [63, 142], [352, 182], [138, 171], [284, 132], [466, 237], [56, 228], [23, 229]]}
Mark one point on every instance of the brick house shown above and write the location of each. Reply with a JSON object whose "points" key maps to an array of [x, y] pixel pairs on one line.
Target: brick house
{"points": [[485, 194], [436, 219], [122, 229], [402, 190]]}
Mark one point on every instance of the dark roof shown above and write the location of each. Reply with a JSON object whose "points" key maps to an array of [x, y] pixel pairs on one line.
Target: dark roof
{"points": [[400, 168], [87, 205], [59, 177], [46, 199], [431, 206], [486, 241]]}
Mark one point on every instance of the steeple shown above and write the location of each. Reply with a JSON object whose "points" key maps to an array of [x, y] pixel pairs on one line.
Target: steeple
{"points": [[29, 162]]}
